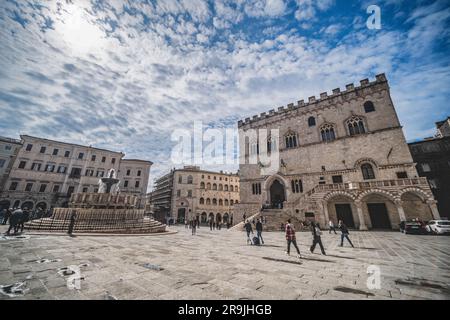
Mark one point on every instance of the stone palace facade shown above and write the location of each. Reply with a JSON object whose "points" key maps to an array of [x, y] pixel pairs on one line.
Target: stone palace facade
{"points": [[45, 173], [342, 156], [192, 193]]}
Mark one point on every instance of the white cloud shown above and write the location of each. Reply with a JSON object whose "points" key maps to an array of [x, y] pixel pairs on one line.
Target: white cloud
{"points": [[133, 93]]}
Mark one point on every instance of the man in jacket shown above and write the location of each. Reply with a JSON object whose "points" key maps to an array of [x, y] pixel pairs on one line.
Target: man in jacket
{"points": [[344, 233], [316, 232], [248, 228], [290, 238], [259, 228]]}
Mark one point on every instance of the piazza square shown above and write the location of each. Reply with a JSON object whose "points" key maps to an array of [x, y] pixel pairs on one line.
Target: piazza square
{"points": [[219, 265]]}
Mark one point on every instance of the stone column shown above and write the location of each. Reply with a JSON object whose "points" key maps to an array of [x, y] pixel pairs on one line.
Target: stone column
{"points": [[325, 212], [434, 209], [362, 223], [400, 210]]}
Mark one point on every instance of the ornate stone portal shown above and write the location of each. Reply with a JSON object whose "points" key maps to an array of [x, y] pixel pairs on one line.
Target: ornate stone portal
{"points": [[107, 211]]}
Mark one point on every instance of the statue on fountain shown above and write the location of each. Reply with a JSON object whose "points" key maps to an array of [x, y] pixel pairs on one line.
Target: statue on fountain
{"points": [[109, 184]]}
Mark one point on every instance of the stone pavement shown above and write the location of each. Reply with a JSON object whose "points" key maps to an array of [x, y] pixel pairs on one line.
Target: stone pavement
{"points": [[220, 265]]}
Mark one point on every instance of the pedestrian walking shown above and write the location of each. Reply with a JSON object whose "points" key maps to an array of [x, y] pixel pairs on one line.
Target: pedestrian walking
{"points": [[290, 238], [332, 227], [73, 218], [344, 233], [186, 224], [7, 215], [248, 229], [14, 220], [214, 225], [316, 232], [210, 224], [259, 229], [194, 227]]}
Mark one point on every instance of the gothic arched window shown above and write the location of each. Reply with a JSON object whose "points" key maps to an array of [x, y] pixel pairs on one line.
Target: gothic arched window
{"points": [[297, 186], [367, 171], [214, 186], [202, 185], [202, 201], [355, 125], [291, 140], [327, 132], [208, 201]]}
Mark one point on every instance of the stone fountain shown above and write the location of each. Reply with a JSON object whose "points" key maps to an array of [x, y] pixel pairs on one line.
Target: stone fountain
{"points": [[107, 211]]}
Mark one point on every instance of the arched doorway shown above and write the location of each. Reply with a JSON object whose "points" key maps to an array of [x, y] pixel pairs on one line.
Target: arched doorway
{"points": [[380, 211], [5, 204], [181, 215], [204, 218], [342, 207], [225, 218], [415, 206], [218, 218], [27, 204], [42, 206], [277, 194]]}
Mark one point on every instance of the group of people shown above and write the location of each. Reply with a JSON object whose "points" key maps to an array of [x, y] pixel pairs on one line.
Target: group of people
{"points": [[289, 230], [16, 218], [194, 224]]}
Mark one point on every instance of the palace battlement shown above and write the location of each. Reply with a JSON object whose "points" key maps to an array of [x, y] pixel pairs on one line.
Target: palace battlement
{"points": [[324, 99]]}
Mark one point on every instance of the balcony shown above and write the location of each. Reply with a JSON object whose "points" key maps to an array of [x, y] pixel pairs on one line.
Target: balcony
{"points": [[369, 185]]}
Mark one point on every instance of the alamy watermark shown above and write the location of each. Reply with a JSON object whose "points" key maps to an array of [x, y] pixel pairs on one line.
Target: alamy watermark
{"points": [[374, 279], [374, 20], [221, 146]]}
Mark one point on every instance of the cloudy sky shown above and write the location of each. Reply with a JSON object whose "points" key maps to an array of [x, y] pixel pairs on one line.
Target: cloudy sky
{"points": [[123, 75]]}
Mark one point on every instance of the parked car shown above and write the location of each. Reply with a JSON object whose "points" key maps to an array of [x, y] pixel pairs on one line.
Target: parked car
{"points": [[412, 227], [438, 226]]}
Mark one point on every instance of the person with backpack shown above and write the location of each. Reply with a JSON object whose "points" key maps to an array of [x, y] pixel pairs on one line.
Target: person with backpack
{"points": [[248, 229], [344, 233], [290, 238], [316, 232], [259, 228]]}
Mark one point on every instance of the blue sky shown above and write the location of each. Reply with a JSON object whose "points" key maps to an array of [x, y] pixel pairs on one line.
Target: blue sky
{"points": [[124, 74]]}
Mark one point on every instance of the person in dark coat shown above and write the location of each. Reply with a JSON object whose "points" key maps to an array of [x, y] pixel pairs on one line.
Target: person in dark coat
{"points": [[344, 233], [14, 220], [210, 224], [7, 215], [290, 238], [249, 229], [73, 218], [316, 232], [259, 229]]}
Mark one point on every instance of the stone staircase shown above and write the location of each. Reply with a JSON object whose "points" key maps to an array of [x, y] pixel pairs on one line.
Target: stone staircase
{"points": [[147, 225], [276, 217], [240, 226]]}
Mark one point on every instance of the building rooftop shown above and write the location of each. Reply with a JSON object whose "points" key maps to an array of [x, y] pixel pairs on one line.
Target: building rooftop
{"points": [[313, 101], [68, 143], [10, 140]]}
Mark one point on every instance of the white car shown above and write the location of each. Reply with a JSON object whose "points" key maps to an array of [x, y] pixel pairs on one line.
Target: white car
{"points": [[438, 226]]}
